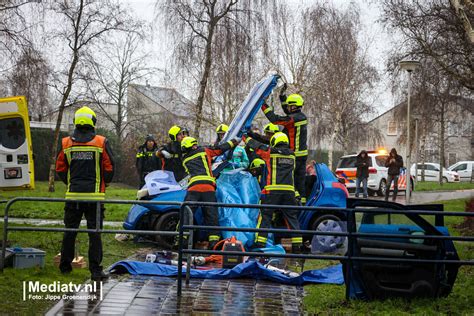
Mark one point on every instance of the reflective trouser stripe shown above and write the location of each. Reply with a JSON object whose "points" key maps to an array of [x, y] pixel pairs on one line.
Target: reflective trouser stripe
{"points": [[213, 238], [296, 240], [267, 110], [261, 239], [303, 200], [85, 196]]}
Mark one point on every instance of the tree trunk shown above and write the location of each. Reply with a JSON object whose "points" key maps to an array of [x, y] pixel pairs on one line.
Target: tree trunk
{"points": [[331, 146], [204, 80], [441, 143], [54, 148], [422, 153]]}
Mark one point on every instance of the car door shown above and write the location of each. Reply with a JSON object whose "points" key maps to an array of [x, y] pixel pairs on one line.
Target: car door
{"points": [[380, 279], [463, 171], [431, 173], [250, 107]]}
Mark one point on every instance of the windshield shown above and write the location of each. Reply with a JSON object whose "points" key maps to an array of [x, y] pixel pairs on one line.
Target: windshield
{"points": [[347, 162], [12, 132]]}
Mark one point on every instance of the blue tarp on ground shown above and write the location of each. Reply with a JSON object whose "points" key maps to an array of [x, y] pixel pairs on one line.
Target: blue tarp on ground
{"points": [[252, 269]]}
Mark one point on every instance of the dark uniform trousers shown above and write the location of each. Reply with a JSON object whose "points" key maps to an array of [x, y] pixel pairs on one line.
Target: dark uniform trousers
{"points": [[210, 213], [73, 212], [300, 177], [291, 216]]}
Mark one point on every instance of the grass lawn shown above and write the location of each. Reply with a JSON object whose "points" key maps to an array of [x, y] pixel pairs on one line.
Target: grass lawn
{"points": [[435, 186], [11, 285], [330, 299], [114, 212]]}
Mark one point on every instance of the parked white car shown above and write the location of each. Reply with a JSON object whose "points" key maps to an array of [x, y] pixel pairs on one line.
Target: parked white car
{"points": [[464, 169], [432, 172], [377, 181]]}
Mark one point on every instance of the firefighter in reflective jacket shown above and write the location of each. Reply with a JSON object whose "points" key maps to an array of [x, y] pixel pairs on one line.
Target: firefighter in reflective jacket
{"points": [[258, 169], [85, 165], [147, 160], [295, 127], [202, 185], [269, 130], [279, 187], [171, 152]]}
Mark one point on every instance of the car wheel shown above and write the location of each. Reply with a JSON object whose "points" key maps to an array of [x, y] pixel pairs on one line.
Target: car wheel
{"points": [[371, 192], [382, 188], [328, 223], [445, 180], [166, 222]]}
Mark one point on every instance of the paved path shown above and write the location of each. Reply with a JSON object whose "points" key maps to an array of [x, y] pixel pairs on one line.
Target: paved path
{"points": [[151, 295]]}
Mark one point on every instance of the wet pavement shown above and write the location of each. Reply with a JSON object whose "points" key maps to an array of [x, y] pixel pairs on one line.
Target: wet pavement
{"points": [[150, 295]]}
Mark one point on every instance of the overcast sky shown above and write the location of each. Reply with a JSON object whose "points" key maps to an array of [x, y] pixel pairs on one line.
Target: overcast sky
{"points": [[380, 42]]}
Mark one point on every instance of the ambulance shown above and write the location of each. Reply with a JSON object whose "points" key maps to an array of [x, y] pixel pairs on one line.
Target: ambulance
{"points": [[16, 151]]}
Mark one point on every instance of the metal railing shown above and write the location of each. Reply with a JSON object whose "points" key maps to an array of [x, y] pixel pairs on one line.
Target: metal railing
{"points": [[98, 229], [351, 234], [188, 230]]}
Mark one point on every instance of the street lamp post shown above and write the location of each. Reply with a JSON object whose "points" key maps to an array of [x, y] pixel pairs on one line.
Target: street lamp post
{"points": [[409, 66], [416, 151]]}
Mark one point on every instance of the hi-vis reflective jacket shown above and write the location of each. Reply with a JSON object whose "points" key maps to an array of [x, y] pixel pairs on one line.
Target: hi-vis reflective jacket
{"points": [[175, 163], [197, 163], [280, 162], [85, 167], [295, 126]]}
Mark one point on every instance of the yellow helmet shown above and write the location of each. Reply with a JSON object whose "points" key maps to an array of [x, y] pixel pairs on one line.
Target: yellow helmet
{"points": [[175, 130], [257, 163], [295, 99], [278, 138], [85, 116], [188, 142], [271, 128], [222, 129]]}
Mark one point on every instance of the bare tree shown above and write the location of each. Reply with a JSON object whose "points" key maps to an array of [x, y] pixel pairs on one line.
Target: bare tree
{"points": [[11, 23], [83, 23], [30, 78], [108, 77], [345, 77], [432, 29], [194, 25]]}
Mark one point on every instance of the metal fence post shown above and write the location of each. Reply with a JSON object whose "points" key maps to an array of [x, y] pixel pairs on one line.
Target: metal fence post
{"points": [[351, 228], [5, 236], [180, 250], [190, 243]]}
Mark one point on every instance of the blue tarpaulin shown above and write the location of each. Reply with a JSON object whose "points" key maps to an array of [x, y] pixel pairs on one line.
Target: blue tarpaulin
{"points": [[252, 269], [238, 187]]}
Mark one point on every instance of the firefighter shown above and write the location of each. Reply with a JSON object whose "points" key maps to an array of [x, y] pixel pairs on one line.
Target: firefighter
{"points": [[220, 131], [147, 161], [202, 185], [295, 127], [258, 169], [269, 130], [279, 185], [85, 164], [171, 152]]}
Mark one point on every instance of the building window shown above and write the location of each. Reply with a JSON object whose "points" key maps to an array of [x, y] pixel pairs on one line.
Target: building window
{"points": [[452, 157], [392, 128]]}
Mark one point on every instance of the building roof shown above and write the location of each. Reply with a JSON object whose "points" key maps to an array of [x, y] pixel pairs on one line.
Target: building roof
{"points": [[466, 103], [166, 98]]}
